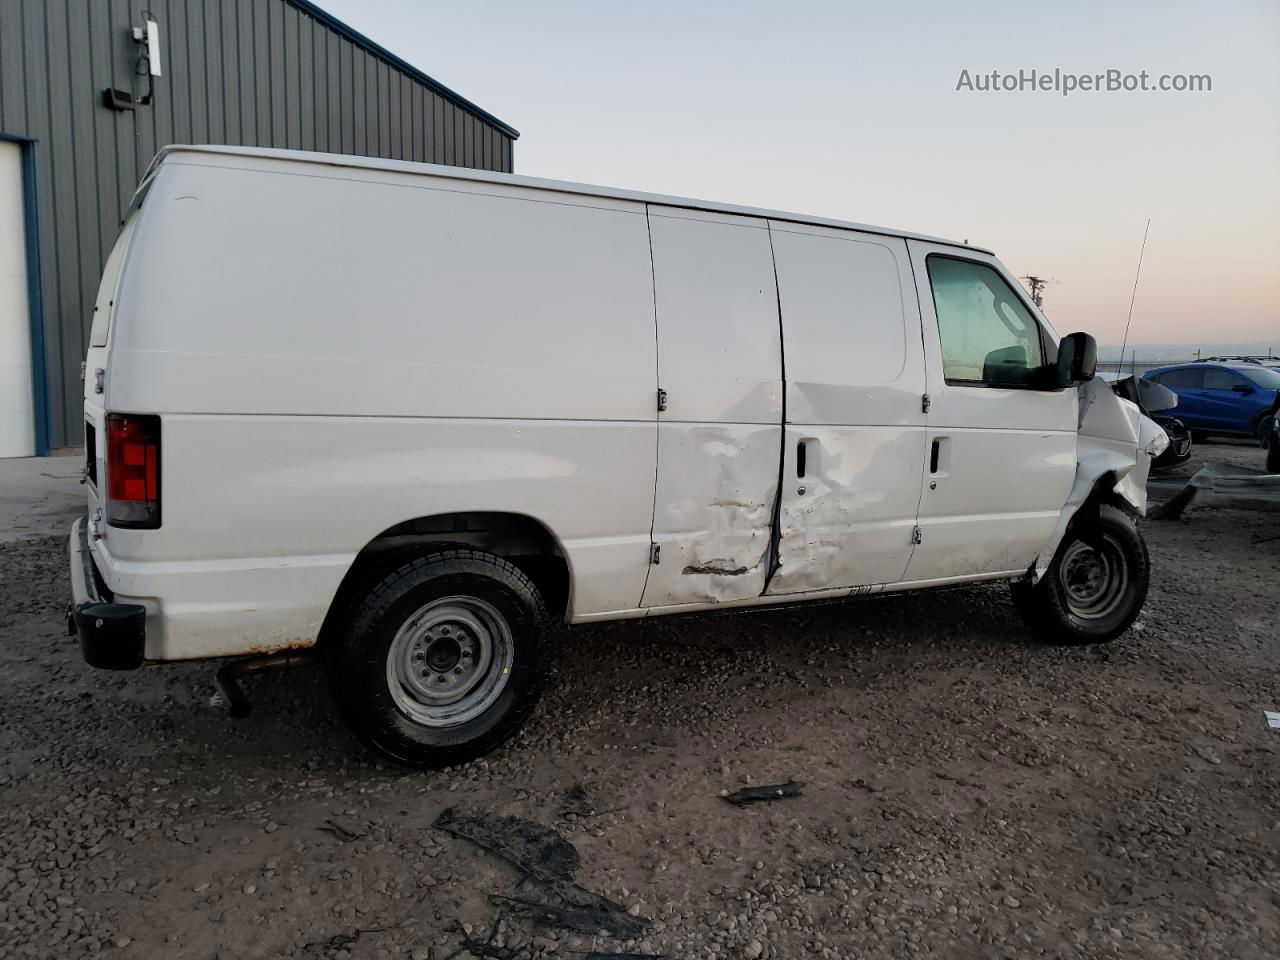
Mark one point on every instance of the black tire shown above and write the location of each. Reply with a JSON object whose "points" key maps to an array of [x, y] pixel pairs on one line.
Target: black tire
{"points": [[468, 596], [1094, 588], [1262, 429]]}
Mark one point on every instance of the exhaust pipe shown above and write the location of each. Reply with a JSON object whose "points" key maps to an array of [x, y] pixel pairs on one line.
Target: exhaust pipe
{"points": [[229, 676]]}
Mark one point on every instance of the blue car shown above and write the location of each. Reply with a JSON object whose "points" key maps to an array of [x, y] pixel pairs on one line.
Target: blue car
{"points": [[1225, 398]]}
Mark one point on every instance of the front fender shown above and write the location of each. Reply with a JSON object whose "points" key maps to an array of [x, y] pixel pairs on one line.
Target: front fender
{"points": [[1114, 437]]}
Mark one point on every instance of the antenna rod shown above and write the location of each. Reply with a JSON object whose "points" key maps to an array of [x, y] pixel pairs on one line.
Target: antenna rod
{"points": [[1134, 296]]}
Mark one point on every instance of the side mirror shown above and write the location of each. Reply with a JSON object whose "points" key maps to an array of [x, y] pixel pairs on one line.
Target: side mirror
{"points": [[1077, 359], [1241, 388]]}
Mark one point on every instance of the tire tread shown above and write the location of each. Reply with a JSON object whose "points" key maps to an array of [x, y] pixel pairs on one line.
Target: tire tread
{"points": [[346, 682], [1043, 607]]}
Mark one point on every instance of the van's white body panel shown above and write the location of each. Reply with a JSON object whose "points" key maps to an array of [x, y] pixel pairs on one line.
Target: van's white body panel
{"points": [[337, 346], [720, 363], [1008, 459], [855, 376]]}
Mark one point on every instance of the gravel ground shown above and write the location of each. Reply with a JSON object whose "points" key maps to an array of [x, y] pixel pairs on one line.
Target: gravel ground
{"points": [[966, 793]]}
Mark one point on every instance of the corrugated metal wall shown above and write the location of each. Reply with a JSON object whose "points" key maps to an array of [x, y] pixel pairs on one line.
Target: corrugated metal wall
{"points": [[271, 73]]}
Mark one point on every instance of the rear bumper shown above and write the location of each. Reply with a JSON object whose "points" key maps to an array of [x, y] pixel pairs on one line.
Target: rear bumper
{"points": [[112, 635]]}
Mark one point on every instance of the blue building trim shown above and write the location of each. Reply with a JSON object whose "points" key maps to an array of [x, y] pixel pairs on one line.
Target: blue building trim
{"points": [[358, 38], [35, 293]]}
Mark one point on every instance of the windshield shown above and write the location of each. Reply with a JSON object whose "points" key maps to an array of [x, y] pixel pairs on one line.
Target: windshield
{"points": [[1265, 378]]}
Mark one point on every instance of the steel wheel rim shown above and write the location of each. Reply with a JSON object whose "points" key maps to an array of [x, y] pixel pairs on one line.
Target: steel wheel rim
{"points": [[1094, 579], [450, 661]]}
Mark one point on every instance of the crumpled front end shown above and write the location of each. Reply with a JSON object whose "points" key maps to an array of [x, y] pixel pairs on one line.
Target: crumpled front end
{"points": [[1114, 437]]}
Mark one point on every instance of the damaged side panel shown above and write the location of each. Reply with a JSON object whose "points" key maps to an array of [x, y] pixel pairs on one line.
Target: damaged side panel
{"points": [[720, 373], [714, 515], [854, 444], [853, 523], [1114, 437]]}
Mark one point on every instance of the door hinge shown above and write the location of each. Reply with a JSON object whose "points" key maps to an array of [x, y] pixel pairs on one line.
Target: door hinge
{"points": [[662, 400], [924, 403], [915, 535], [655, 553]]}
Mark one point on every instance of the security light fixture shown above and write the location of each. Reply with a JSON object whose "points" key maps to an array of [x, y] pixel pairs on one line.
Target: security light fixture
{"points": [[147, 65], [150, 35]]}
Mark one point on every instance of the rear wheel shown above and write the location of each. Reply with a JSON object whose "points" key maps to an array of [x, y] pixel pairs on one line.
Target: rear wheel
{"points": [[443, 660], [1094, 588]]}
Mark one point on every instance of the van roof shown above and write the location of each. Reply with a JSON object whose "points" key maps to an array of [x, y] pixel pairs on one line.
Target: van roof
{"points": [[536, 183]]}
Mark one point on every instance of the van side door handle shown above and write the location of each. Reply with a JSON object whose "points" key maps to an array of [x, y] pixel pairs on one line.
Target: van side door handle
{"points": [[804, 461], [939, 460]]}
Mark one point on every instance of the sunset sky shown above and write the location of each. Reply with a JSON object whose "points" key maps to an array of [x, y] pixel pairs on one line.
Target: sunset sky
{"points": [[851, 110]]}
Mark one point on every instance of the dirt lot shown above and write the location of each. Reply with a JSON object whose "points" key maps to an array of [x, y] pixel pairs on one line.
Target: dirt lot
{"points": [[966, 793]]}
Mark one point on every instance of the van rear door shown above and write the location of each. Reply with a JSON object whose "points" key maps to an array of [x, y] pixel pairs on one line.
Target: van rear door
{"points": [[720, 406], [95, 365], [853, 445]]}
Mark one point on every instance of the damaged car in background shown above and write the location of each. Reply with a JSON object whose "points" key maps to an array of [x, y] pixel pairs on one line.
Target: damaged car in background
{"points": [[488, 404], [1156, 402]]}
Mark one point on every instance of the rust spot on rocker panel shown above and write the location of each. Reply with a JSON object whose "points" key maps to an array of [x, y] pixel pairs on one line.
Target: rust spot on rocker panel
{"points": [[285, 646]]}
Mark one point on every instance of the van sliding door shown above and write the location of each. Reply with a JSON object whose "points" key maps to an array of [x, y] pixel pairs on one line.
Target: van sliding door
{"points": [[720, 409], [853, 446]]}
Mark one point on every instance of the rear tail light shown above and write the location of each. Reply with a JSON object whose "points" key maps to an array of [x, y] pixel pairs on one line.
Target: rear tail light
{"points": [[133, 470]]}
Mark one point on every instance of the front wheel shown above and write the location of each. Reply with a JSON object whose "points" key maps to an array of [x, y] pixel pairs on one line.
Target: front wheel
{"points": [[443, 660], [1262, 430], [1094, 588]]}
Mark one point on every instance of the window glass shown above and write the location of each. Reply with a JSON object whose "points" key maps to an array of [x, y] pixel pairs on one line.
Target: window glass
{"points": [[1187, 377], [987, 335], [1265, 378], [1215, 378]]}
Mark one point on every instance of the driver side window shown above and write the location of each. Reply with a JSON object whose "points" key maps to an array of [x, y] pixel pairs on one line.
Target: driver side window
{"points": [[1215, 378], [988, 337]]}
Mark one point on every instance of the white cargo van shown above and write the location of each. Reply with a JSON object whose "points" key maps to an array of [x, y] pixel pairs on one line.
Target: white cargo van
{"points": [[413, 416]]}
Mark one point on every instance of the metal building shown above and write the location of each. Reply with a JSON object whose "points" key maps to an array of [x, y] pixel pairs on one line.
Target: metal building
{"points": [[90, 89]]}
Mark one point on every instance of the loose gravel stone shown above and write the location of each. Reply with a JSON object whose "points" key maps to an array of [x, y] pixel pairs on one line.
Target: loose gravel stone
{"points": [[967, 792]]}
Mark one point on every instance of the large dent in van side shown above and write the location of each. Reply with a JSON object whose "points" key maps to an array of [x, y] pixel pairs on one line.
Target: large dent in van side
{"points": [[714, 515], [852, 526], [1115, 437]]}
